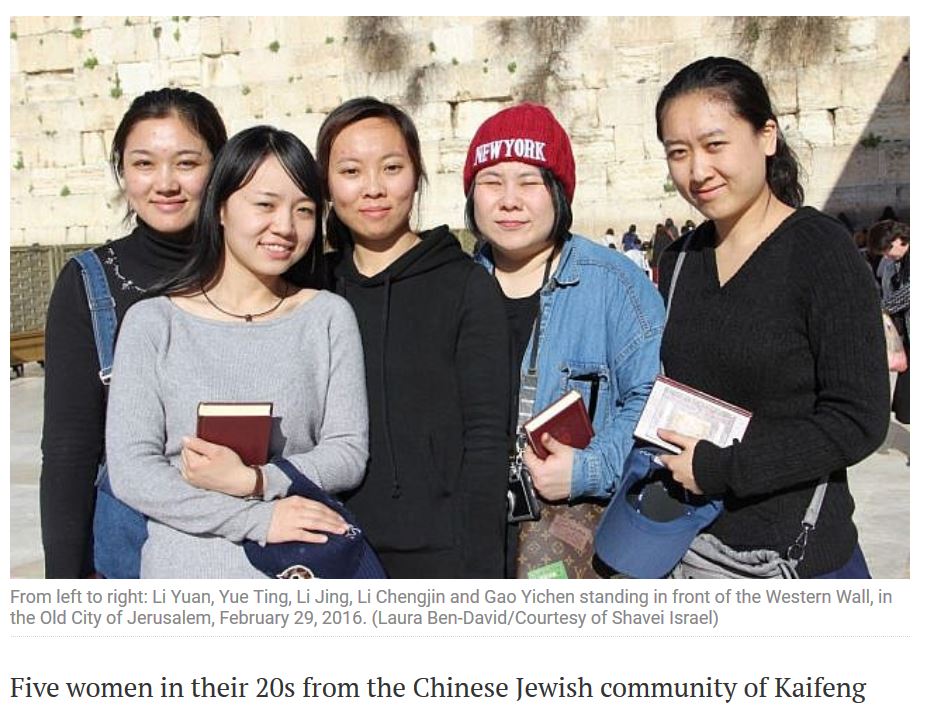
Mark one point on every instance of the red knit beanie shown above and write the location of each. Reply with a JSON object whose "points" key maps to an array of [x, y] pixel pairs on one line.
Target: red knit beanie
{"points": [[527, 133]]}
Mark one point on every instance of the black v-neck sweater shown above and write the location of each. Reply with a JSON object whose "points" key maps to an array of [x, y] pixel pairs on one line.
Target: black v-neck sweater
{"points": [[75, 398], [795, 337]]}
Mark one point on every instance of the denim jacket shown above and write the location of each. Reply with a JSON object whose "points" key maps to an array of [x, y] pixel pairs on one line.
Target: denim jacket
{"points": [[601, 321]]}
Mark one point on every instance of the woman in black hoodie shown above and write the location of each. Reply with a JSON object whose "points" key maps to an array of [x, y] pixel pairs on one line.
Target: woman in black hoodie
{"points": [[436, 355]]}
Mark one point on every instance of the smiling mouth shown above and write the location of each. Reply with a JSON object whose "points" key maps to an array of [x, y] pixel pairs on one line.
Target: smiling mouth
{"points": [[275, 248], [706, 193], [510, 224], [375, 211], [172, 206]]}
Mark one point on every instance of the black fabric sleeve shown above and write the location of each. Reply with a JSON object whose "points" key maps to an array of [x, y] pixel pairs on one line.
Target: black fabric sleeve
{"points": [[482, 361], [850, 416], [72, 431]]}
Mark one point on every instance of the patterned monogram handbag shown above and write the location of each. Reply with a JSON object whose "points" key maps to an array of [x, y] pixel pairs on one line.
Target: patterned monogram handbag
{"points": [[560, 544]]}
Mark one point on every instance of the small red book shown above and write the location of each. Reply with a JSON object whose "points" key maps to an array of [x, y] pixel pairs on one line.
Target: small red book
{"points": [[244, 427], [566, 420]]}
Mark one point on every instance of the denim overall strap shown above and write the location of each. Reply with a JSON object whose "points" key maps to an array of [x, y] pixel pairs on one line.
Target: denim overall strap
{"points": [[119, 530], [102, 309]]}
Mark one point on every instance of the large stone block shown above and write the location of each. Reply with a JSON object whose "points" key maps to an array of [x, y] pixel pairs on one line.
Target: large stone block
{"points": [[469, 115], [636, 65], [221, 71], [49, 86], [48, 52], [884, 123], [186, 73], [622, 105], [134, 43], [452, 152], [453, 43], [816, 127], [433, 120], [629, 144], [93, 149], [211, 40]]}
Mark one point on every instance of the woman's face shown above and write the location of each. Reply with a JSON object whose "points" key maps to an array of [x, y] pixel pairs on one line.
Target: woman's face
{"points": [[372, 181], [268, 223], [165, 169], [513, 208], [715, 158]]}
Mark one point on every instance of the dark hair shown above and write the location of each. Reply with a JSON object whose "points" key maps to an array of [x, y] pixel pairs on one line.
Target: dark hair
{"points": [[743, 89], [560, 205], [196, 111], [233, 168], [340, 118], [882, 234], [610, 230]]}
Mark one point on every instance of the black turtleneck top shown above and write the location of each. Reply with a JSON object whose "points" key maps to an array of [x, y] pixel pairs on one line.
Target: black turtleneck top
{"points": [[75, 398]]}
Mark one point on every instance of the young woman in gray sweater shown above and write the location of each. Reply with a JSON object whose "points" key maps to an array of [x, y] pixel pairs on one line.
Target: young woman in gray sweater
{"points": [[233, 327]]}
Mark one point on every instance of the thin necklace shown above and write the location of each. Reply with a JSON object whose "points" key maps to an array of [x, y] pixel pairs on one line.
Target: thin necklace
{"points": [[247, 317]]}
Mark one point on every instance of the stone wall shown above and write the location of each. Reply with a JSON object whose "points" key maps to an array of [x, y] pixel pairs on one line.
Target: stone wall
{"points": [[841, 87]]}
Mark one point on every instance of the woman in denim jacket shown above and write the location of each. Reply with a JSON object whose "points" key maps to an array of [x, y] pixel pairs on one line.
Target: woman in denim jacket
{"points": [[588, 317]]}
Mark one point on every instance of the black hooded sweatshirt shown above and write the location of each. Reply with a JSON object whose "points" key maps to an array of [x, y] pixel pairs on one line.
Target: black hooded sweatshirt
{"points": [[437, 365]]}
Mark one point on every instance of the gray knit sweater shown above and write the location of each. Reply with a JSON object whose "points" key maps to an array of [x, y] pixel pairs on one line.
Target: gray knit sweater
{"points": [[307, 362]]}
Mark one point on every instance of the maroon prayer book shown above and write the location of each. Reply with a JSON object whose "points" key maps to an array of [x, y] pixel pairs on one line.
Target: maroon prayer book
{"points": [[565, 420], [244, 427]]}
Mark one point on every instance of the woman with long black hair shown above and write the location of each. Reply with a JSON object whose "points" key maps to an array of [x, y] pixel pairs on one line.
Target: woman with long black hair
{"points": [[161, 156], [775, 312], [233, 327]]}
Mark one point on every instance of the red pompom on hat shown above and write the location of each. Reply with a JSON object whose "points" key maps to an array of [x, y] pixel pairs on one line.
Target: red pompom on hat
{"points": [[527, 133]]}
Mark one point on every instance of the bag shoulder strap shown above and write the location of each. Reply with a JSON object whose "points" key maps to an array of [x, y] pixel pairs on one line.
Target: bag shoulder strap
{"points": [[671, 287], [102, 309], [678, 263]]}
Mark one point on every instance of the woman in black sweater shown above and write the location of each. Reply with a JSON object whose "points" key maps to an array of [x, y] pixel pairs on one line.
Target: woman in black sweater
{"points": [[436, 356], [773, 311], [161, 156]]}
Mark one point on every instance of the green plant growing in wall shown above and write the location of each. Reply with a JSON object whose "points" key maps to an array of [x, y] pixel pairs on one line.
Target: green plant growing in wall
{"points": [[246, 91], [65, 191], [91, 62], [274, 46], [432, 47], [14, 36], [19, 164], [668, 186], [330, 40], [116, 90], [77, 32], [455, 62], [871, 141], [156, 31], [512, 67], [177, 34]]}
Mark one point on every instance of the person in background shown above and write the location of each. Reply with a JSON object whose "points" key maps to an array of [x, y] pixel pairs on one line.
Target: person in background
{"points": [[775, 312], [671, 229], [161, 155], [232, 327], [436, 355], [892, 240], [660, 241], [581, 318], [631, 240], [609, 239], [687, 228]]}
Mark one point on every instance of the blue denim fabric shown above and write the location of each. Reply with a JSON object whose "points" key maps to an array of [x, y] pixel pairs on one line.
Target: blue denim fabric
{"points": [[600, 317]]}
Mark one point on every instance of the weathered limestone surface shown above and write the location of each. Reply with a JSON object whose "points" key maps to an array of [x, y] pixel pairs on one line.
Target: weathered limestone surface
{"points": [[843, 104]]}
